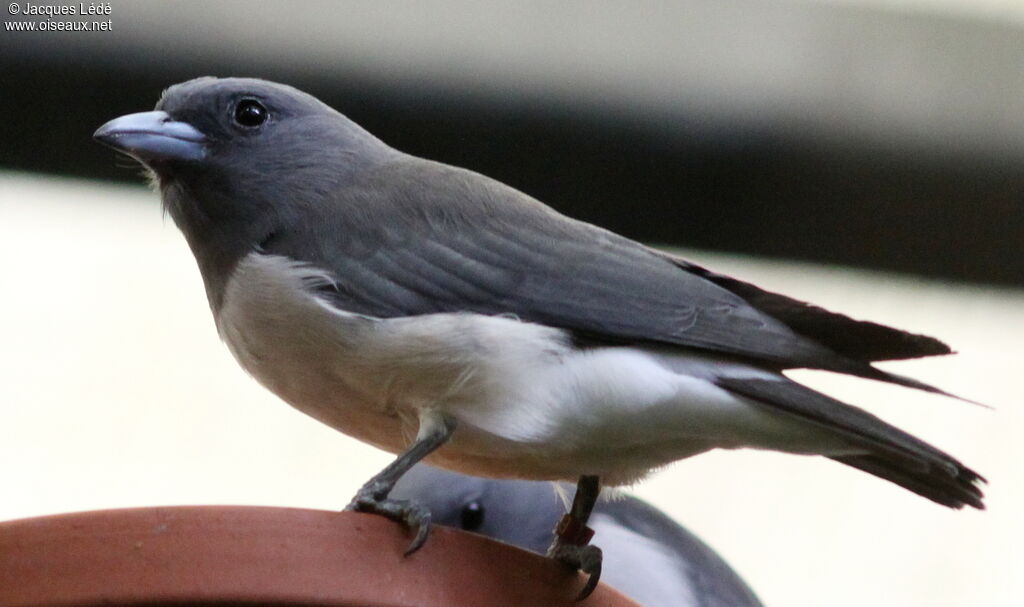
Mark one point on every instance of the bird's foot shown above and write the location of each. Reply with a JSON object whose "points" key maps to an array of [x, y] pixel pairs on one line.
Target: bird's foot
{"points": [[572, 549], [374, 500]]}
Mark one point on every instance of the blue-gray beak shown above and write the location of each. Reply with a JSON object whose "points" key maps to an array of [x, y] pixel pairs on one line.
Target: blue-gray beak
{"points": [[152, 137]]}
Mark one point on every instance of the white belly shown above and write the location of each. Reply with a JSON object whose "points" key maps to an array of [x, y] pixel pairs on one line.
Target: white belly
{"points": [[527, 404]]}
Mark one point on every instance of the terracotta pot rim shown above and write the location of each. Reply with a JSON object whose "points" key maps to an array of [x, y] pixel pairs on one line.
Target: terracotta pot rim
{"points": [[267, 555]]}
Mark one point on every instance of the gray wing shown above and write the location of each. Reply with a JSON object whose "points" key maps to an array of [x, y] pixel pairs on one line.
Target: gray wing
{"points": [[417, 237]]}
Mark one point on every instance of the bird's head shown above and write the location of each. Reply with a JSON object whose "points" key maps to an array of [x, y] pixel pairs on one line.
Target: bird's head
{"points": [[521, 513], [238, 161], [224, 149]]}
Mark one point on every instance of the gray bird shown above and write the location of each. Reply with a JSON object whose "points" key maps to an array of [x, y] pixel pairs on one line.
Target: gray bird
{"points": [[647, 556], [414, 305]]}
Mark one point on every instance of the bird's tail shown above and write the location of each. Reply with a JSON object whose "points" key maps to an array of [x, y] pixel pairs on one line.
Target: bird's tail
{"points": [[933, 483], [889, 452]]}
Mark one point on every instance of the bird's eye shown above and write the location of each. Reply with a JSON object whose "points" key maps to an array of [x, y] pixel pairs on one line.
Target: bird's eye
{"points": [[250, 113], [472, 516]]}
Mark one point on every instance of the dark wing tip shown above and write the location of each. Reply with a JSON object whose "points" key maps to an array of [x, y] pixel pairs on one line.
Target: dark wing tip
{"points": [[854, 339], [848, 337], [871, 372]]}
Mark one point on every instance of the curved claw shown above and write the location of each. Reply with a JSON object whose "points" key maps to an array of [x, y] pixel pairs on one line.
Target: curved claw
{"points": [[584, 558], [411, 514], [419, 520]]}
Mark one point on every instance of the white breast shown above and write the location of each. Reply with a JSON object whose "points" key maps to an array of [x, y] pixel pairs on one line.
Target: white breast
{"points": [[369, 377]]}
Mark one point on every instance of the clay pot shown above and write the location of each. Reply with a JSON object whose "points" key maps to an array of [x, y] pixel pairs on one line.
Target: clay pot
{"points": [[247, 555]]}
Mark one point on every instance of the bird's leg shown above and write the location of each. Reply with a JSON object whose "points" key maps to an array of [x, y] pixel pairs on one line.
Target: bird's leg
{"points": [[572, 536], [435, 430]]}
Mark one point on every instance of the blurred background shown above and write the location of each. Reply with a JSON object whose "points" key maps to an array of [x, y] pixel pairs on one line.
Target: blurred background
{"points": [[867, 155]]}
